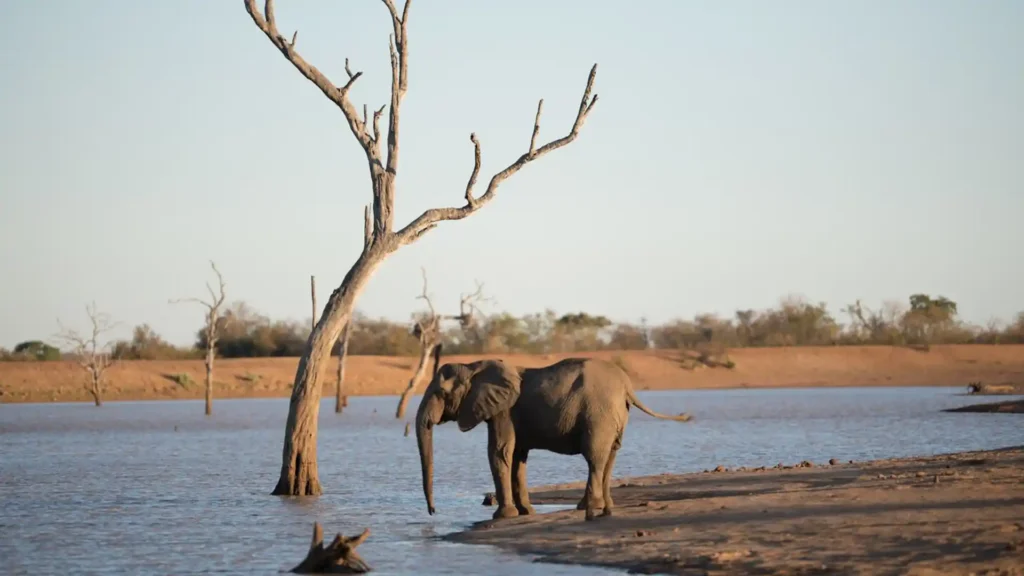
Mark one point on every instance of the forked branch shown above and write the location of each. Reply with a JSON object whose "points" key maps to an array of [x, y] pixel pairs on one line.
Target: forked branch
{"points": [[340, 557], [212, 305], [91, 353], [267, 23], [430, 218], [468, 306]]}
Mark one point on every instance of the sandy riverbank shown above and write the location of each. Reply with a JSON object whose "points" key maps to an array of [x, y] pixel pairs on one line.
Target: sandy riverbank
{"points": [[954, 365], [1006, 407], [951, 514]]}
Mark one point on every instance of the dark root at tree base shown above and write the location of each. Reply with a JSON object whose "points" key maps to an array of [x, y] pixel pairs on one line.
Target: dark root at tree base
{"points": [[302, 480]]}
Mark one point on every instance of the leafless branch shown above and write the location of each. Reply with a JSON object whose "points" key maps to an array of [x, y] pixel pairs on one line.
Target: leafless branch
{"points": [[469, 305], [423, 294], [367, 135], [212, 305], [399, 48], [376, 123], [470, 201], [337, 94], [536, 128], [435, 215]]}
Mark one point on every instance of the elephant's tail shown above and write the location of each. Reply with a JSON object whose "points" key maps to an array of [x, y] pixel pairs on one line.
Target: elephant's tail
{"points": [[683, 417]]}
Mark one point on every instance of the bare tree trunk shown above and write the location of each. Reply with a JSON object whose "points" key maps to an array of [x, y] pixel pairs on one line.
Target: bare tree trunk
{"points": [[421, 369], [341, 400], [209, 380], [212, 316], [299, 473], [425, 353], [96, 390]]}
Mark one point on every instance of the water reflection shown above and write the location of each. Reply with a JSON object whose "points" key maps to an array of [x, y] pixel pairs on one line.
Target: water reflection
{"points": [[157, 488]]}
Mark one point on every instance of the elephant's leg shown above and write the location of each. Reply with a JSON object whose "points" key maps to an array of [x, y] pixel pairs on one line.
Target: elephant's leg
{"points": [[595, 485], [500, 448], [607, 478], [596, 449], [582, 504], [520, 492]]}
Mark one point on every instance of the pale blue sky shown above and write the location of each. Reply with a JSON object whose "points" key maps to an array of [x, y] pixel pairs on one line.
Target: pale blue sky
{"points": [[740, 151]]}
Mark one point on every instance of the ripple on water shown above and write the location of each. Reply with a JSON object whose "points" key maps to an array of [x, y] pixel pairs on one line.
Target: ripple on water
{"points": [[119, 490]]}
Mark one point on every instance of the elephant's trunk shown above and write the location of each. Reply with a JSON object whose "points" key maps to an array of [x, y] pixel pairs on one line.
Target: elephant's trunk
{"points": [[426, 417]]}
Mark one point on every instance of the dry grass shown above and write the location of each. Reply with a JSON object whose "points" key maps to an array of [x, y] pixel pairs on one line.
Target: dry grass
{"points": [[953, 365]]}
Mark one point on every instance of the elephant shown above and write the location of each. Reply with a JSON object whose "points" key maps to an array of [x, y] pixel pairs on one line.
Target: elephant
{"points": [[574, 406]]}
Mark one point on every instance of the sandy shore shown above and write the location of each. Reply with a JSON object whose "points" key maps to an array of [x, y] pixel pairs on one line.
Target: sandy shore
{"points": [[954, 365], [1008, 406], [950, 514]]}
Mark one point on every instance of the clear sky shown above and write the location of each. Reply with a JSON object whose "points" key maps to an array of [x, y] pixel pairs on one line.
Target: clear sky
{"points": [[740, 151]]}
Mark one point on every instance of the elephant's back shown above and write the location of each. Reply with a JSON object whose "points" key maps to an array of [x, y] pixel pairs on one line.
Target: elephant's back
{"points": [[573, 392]]}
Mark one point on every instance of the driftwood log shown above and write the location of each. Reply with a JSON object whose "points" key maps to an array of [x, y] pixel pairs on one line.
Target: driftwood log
{"points": [[340, 557]]}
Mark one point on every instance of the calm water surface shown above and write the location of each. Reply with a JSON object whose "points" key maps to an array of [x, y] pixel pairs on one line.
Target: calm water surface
{"points": [[157, 488]]}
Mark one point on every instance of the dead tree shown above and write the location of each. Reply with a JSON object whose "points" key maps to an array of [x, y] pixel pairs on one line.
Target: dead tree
{"points": [[427, 329], [341, 399], [299, 474], [91, 354], [210, 328], [340, 557]]}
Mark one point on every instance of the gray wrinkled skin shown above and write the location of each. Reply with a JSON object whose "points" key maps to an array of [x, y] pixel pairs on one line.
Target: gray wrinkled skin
{"points": [[575, 406]]}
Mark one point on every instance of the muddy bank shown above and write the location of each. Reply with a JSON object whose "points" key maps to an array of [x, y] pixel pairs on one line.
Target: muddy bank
{"points": [[1009, 407], [951, 514], [954, 365]]}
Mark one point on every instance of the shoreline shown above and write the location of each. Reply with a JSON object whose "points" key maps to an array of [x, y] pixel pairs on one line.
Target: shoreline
{"points": [[956, 513], [784, 367], [1004, 407]]}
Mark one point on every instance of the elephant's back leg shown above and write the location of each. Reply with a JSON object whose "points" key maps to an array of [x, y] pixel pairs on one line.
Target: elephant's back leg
{"points": [[607, 480], [601, 437]]}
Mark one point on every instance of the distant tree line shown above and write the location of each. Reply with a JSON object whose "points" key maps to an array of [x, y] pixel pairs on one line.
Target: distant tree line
{"points": [[244, 333]]}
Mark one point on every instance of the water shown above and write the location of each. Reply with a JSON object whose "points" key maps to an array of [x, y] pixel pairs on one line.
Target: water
{"points": [[120, 490]]}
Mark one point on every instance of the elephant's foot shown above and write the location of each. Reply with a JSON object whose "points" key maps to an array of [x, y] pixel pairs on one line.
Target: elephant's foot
{"points": [[525, 509], [505, 512], [595, 513]]}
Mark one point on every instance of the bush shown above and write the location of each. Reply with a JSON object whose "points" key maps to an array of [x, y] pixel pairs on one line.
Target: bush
{"points": [[35, 350]]}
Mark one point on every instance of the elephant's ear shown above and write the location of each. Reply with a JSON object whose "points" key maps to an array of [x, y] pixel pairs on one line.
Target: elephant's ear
{"points": [[494, 388]]}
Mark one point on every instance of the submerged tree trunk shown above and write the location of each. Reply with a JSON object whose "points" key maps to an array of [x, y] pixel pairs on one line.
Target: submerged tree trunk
{"points": [[299, 474], [96, 389], [340, 557], [340, 400], [425, 353], [209, 380]]}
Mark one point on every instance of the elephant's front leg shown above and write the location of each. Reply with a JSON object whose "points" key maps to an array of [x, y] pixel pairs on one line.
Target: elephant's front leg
{"points": [[520, 492], [501, 443]]}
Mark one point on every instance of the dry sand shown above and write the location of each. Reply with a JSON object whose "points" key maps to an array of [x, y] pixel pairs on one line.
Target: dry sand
{"points": [[954, 365], [952, 514]]}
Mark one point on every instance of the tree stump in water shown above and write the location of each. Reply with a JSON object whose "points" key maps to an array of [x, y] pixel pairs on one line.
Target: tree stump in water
{"points": [[338, 558]]}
